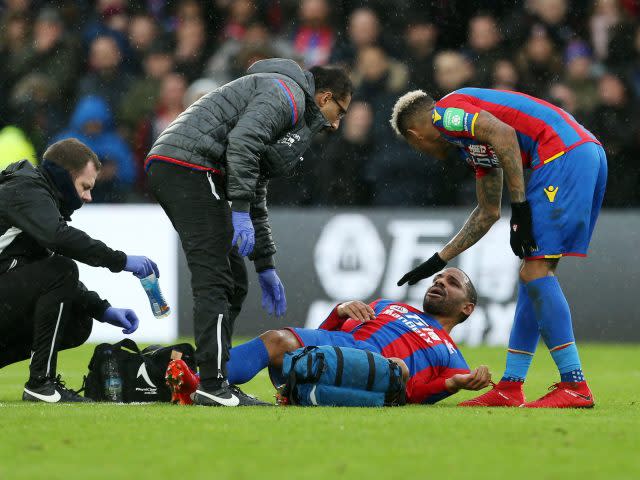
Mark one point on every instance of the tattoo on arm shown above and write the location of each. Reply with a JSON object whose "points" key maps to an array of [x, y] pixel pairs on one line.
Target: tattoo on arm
{"points": [[489, 192], [503, 139]]}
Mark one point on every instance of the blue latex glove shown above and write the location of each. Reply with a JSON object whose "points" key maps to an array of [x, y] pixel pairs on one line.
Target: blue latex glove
{"points": [[243, 234], [273, 298], [121, 317], [141, 266]]}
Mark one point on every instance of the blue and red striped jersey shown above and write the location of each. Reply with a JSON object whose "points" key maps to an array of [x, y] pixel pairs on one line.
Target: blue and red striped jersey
{"points": [[401, 331], [545, 132]]}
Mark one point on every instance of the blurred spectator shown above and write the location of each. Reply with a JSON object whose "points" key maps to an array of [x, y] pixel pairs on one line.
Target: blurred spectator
{"points": [[16, 7], [552, 14], [229, 61], [15, 146], [363, 31], [505, 76], [421, 41], [198, 89], [187, 10], [564, 97], [613, 122], [110, 19], [53, 54], [452, 71], [538, 62], [484, 47], [621, 48], [613, 117], [579, 76], [240, 15], [191, 51], [14, 43], [375, 70], [606, 15], [340, 171], [632, 68], [140, 98], [92, 124], [313, 39], [36, 108], [143, 33], [169, 105], [107, 77], [548, 15]]}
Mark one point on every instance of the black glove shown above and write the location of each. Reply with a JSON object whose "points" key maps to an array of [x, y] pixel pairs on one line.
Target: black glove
{"points": [[522, 242], [424, 270]]}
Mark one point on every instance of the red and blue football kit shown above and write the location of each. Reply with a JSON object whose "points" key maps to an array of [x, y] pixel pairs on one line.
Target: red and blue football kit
{"points": [[399, 331], [569, 166]]}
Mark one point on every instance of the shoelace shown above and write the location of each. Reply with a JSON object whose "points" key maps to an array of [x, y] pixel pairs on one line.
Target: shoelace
{"points": [[237, 391], [552, 389], [58, 382]]}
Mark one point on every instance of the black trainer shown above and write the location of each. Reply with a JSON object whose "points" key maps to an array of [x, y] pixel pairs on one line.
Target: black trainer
{"points": [[50, 390], [226, 396]]}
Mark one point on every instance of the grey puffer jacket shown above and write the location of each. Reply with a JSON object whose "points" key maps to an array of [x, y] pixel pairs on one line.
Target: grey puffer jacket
{"points": [[252, 129]]}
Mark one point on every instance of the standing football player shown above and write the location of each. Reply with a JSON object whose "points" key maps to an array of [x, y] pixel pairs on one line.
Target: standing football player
{"points": [[499, 134]]}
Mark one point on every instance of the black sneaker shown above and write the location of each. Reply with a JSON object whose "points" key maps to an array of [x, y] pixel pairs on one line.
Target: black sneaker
{"points": [[226, 396], [50, 390]]}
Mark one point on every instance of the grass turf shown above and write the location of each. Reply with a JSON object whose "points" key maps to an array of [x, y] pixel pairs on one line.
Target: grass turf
{"points": [[166, 441]]}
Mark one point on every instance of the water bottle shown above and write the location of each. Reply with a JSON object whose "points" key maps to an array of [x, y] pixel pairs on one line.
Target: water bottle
{"points": [[158, 304], [112, 379]]}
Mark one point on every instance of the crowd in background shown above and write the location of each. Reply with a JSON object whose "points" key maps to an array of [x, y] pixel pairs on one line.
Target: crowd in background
{"points": [[115, 73]]}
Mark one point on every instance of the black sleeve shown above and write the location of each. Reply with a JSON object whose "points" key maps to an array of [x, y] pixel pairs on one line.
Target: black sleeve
{"points": [[90, 302], [265, 247], [266, 117], [34, 211]]}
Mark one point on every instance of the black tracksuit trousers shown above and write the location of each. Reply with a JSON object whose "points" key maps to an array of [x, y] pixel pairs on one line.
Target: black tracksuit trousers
{"points": [[196, 205], [38, 314]]}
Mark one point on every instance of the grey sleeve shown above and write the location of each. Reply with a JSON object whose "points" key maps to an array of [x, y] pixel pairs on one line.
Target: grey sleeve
{"points": [[268, 115], [265, 247]]}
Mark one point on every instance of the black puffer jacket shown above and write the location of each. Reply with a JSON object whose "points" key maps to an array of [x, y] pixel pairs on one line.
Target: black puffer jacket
{"points": [[252, 129]]}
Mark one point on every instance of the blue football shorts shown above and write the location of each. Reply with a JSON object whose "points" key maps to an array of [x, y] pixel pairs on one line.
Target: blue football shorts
{"points": [[565, 197]]}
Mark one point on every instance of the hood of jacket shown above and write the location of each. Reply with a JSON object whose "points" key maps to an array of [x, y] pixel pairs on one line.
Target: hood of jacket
{"points": [[284, 66], [25, 170], [91, 109]]}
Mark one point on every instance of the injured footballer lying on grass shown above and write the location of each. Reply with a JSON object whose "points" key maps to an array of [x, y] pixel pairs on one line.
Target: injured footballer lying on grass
{"points": [[418, 341]]}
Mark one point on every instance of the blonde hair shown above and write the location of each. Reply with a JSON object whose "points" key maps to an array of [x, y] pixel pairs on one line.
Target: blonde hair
{"points": [[406, 107]]}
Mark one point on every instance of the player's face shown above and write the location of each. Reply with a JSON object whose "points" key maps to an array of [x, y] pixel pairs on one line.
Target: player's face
{"points": [[447, 294], [85, 181], [424, 137]]}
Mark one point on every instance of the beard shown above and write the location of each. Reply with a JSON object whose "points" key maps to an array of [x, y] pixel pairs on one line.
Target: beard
{"points": [[438, 305]]}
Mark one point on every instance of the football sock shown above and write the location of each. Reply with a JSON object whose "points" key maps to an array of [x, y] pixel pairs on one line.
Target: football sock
{"points": [[554, 319], [523, 339], [246, 360]]}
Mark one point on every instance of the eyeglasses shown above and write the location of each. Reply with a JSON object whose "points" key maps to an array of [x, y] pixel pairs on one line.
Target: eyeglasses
{"points": [[342, 112]]}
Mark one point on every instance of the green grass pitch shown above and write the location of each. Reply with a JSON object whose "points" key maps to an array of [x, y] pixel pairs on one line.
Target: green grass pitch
{"points": [[422, 442]]}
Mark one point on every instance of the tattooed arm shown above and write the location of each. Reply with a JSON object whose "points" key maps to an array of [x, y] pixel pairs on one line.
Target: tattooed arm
{"points": [[502, 137], [489, 193]]}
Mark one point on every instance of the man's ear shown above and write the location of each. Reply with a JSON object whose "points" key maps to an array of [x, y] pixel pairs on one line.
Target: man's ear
{"points": [[468, 309], [323, 97], [413, 134]]}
